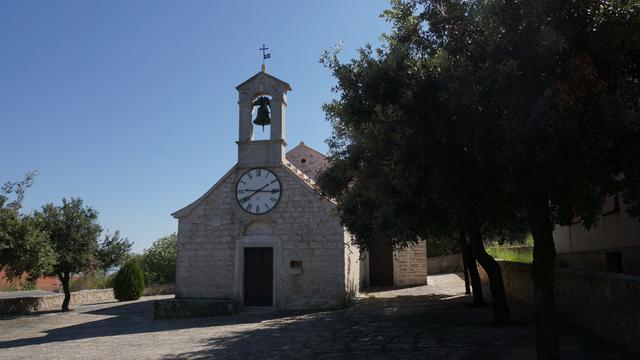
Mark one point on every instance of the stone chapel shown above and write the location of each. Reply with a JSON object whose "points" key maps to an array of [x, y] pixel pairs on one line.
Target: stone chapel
{"points": [[263, 235]]}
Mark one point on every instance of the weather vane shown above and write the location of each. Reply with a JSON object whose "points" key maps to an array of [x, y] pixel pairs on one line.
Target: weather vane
{"points": [[265, 56]]}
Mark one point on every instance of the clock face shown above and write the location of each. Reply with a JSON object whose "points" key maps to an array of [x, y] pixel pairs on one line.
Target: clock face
{"points": [[258, 191]]}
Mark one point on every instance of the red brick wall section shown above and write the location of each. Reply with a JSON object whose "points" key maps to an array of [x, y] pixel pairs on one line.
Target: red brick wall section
{"points": [[43, 283]]}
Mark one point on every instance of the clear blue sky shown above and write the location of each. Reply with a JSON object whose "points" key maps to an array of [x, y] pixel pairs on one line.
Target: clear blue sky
{"points": [[131, 105]]}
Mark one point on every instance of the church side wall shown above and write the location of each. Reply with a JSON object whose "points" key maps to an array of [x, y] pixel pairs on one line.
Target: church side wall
{"points": [[311, 234], [410, 265]]}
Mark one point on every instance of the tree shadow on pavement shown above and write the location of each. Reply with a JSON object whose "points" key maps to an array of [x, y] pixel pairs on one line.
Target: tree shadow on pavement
{"points": [[133, 318], [406, 326], [403, 327]]}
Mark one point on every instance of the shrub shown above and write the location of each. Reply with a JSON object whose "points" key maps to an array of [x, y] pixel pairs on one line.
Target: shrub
{"points": [[128, 283], [159, 261]]}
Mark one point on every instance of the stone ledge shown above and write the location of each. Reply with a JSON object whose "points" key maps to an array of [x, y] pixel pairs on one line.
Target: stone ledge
{"points": [[185, 307], [19, 303]]}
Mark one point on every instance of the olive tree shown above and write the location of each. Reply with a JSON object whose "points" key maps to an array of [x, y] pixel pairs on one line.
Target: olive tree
{"points": [[73, 232]]}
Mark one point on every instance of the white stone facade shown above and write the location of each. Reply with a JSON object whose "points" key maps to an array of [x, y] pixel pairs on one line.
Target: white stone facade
{"points": [[213, 233], [314, 264]]}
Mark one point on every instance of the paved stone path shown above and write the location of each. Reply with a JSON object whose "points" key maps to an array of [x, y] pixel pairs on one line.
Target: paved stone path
{"points": [[427, 322]]}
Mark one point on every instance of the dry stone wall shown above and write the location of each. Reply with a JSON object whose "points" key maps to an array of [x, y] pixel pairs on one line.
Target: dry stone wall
{"points": [[410, 265], [49, 302], [603, 303]]}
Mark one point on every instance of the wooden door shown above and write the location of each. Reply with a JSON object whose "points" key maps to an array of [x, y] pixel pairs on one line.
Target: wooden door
{"points": [[258, 276], [381, 264]]}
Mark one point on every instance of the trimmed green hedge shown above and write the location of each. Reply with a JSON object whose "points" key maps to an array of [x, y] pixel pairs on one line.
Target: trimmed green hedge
{"points": [[128, 283]]}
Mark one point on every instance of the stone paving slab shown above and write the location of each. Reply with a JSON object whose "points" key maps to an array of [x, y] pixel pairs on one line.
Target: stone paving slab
{"points": [[426, 322]]}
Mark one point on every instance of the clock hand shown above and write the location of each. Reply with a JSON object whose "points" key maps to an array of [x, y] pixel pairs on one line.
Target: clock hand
{"points": [[246, 198]]}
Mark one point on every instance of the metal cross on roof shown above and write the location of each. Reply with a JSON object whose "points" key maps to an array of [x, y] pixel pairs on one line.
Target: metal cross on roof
{"points": [[265, 55]]}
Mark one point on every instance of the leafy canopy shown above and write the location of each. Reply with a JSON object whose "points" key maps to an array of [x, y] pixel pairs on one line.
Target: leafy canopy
{"points": [[159, 261], [73, 232], [23, 247], [471, 107]]}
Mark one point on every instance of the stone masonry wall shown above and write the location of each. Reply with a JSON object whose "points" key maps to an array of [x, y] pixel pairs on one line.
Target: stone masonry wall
{"points": [[603, 303], [445, 264], [49, 302], [410, 265], [301, 228]]}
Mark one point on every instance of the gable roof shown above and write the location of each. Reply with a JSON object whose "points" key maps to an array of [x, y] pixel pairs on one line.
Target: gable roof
{"points": [[310, 161], [187, 209], [260, 74], [299, 175]]}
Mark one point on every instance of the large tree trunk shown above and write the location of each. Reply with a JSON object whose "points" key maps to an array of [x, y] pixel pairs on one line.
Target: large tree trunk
{"points": [[64, 279], [544, 254], [492, 268], [469, 262]]}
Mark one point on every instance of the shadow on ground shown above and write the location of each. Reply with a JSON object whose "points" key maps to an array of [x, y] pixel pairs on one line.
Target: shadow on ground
{"points": [[132, 318], [406, 326]]}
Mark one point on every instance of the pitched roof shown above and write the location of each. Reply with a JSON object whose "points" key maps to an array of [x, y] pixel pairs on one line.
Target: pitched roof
{"points": [[311, 162], [284, 84]]}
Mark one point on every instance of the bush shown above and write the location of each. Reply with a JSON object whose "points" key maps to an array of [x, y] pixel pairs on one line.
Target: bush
{"points": [[128, 283], [440, 246], [159, 261]]}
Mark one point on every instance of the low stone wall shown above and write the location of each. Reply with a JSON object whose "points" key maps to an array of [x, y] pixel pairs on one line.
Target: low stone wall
{"points": [[183, 308], [410, 265], [49, 302], [444, 264], [604, 303], [163, 289]]}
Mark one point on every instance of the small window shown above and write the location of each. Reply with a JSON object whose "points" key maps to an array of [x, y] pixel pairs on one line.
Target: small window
{"points": [[296, 264], [303, 161]]}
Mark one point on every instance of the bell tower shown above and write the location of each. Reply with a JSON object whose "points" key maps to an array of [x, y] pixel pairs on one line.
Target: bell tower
{"points": [[267, 92]]}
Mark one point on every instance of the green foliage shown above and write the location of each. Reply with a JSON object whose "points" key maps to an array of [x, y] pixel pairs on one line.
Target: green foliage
{"points": [[474, 110], [113, 251], [128, 283], [439, 246], [73, 234], [159, 261], [481, 114], [23, 247]]}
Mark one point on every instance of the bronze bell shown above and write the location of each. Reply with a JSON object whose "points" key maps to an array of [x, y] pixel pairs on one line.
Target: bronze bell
{"points": [[262, 117]]}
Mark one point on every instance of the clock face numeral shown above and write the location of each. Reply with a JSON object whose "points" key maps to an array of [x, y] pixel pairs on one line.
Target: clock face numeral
{"points": [[258, 191]]}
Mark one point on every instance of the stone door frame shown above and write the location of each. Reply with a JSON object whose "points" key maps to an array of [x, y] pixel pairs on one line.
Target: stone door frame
{"points": [[249, 241]]}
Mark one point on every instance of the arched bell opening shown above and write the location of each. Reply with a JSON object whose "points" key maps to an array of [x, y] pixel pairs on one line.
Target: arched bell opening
{"points": [[261, 116]]}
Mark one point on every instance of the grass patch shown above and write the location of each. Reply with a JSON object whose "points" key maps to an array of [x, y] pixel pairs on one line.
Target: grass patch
{"points": [[519, 254]]}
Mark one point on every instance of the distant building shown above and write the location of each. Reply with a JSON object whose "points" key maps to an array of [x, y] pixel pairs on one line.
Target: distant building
{"points": [[612, 245]]}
